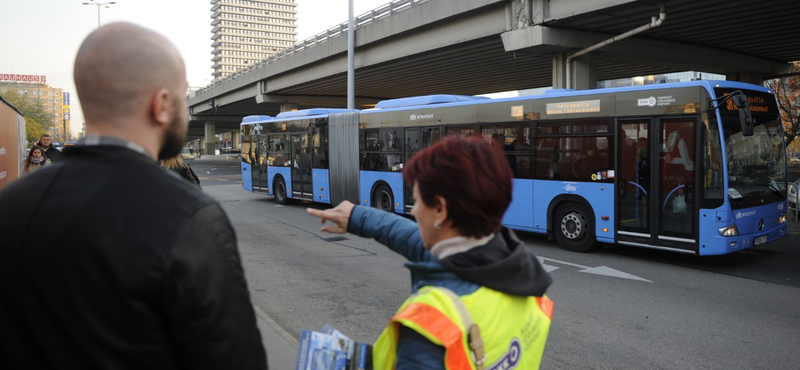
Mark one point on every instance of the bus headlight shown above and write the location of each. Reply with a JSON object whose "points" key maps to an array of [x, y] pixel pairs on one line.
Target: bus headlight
{"points": [[729, 231], [782, 219]]}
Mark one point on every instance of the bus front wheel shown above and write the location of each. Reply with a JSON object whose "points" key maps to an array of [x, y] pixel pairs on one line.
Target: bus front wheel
{"points": [[572, 227], [279, 191], [383, 199]]}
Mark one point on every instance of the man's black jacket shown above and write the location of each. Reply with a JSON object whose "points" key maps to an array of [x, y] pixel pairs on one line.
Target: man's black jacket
{"points": [[108, 261], [52, 153]]}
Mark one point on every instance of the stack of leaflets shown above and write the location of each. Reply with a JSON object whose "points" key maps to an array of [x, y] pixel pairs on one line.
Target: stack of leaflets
{"points": [[329, 349]]}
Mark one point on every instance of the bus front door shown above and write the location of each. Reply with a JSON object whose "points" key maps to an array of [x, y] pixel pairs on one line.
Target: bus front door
{"points": [[302, 186], [260, 182], [656, 183]]}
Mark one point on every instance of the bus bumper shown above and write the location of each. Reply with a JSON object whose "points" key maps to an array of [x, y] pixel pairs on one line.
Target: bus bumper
{"points": [[724, 245]]}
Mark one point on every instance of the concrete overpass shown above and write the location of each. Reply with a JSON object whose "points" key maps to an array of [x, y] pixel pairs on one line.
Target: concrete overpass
{"points": [[471, 47]]}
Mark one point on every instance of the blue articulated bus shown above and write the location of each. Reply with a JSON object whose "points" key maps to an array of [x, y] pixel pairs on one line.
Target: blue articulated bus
{"points": [[695, 167]]}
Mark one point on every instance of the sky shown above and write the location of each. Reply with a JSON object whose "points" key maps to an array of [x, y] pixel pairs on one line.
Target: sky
{"points": [[41, 37]]}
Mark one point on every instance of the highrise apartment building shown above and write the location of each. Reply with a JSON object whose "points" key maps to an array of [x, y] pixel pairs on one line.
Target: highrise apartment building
{"points": [[54, 100], [246, 31]]}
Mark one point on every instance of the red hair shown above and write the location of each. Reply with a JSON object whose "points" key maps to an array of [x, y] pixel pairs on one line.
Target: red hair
{"points": [[472, 176]]}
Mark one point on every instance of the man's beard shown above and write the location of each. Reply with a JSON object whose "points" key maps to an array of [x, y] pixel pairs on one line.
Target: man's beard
{"points": [[173, 139]]}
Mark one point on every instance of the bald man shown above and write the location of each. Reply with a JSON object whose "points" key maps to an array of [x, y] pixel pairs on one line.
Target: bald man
{"points": [[108, 261]]}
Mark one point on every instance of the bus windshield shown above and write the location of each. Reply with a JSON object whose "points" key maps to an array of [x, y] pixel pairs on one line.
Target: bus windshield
{"points": [[756, 164]]}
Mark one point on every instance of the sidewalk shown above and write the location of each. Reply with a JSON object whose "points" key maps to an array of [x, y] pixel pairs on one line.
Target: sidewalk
{"points": [[281, 346], [221, 157]]}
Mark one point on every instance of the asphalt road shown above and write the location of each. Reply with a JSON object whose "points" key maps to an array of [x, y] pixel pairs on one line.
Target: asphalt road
{"points": [[619, 308]]}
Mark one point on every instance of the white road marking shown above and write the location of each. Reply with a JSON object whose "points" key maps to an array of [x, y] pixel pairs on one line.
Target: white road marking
{"points": [[600, 270]]}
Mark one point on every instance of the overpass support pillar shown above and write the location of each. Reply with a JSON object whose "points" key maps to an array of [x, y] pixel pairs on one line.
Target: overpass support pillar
{"points": [[210, 139], [754, 78], [288, 107], [583, 72], [236, 140]]}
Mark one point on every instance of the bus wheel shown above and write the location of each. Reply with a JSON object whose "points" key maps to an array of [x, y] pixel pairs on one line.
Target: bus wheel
{"points": [[279, 191], [572, 228], [382, 199]]}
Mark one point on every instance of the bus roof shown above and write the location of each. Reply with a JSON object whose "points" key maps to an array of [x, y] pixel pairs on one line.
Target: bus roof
{"points": [[430, 101], [254, 119], [426, 100], [307, 113]]}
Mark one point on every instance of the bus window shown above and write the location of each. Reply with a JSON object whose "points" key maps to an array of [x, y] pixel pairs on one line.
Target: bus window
{"points": [[514, 140], [549, 160], [382, 150], [278, 150], [593, 158], [411, 143], [713, 191], [462, 131], [430, 136]]}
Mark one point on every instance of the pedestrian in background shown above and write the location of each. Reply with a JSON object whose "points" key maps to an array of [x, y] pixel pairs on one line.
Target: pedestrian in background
{"points": [[138, 269], [177, 165], [49, 149], [36, 160], [461, 257]]}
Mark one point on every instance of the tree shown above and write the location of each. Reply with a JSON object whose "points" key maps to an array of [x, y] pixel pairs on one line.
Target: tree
{"points": [[37, 120], [33, 130], [787, 91]]}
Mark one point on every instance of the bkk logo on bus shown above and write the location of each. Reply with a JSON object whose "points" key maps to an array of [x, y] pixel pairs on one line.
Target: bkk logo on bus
{"points": [[650, 102], [653, 101]]}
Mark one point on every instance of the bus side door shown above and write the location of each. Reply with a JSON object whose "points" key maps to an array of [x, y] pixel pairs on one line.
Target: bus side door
{"points": [[656, 190]]}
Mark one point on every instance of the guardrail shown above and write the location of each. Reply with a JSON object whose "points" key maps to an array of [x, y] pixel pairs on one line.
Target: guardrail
{"points": [[374, 15]]}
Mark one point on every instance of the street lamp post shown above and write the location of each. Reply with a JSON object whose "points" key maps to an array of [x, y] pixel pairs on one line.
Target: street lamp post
{"points": [[98, 9]]}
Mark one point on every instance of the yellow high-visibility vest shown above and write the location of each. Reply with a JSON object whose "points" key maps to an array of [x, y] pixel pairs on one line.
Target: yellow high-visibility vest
{"points": [[513, 329]]}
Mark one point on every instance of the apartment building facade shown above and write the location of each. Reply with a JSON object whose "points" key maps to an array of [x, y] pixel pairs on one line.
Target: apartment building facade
{"points": [[55, 101], [246, 31]]}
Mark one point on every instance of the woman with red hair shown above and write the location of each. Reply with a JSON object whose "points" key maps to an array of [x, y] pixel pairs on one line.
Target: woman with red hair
{"points": [[478, 297]]}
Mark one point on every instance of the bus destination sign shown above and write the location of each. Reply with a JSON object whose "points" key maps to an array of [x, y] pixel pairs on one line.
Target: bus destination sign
{"points": [[581, 106], [759, 102]]}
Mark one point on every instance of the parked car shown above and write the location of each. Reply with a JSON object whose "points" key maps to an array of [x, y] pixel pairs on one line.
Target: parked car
{"points": [[187, 153]]}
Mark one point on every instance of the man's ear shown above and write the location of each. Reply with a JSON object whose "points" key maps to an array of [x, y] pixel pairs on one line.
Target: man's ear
{"points": [[161, 107]]}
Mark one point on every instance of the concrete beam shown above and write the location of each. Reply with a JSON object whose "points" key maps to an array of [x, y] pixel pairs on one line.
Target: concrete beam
{"points": [[560, 9], [204, 106], [638, 51], [488, 22], [526, 13], [199, 120], [319, 101]]}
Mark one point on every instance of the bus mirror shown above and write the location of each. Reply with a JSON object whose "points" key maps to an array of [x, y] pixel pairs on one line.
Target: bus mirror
{"points": [[745, 116]]}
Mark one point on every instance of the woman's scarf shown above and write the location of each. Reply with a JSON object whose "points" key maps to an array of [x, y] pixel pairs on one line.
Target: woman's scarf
{"points": [[37, 160]]}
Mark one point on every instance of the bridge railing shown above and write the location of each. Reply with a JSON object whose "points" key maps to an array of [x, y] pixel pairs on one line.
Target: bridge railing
{"points": [[374, 15]]}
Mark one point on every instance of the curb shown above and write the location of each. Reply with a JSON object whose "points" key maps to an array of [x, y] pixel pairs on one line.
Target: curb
{"points": [[280, 346], [221, 157]]}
